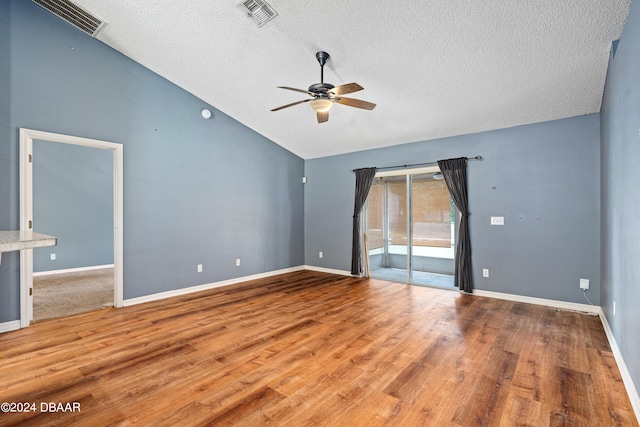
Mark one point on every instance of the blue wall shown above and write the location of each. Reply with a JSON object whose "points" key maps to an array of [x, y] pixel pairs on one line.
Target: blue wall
{"points": [[209, 192], [5, 114], [195, 191], [543, 178], [73, 200], [620, 153], [10, 267]]}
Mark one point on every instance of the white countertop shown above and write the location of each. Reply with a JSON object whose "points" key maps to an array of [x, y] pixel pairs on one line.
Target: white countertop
{"points": [[19, 240]]}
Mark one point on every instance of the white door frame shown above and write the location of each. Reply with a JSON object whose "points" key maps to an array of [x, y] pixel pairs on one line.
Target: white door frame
{"points": [[26, 211]]}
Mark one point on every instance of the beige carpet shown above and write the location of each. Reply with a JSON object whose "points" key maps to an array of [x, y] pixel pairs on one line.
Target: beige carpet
{"points": [[58, 295]]}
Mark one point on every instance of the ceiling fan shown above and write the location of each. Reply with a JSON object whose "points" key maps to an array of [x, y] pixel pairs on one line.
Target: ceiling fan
{"points": [[325, 94]]}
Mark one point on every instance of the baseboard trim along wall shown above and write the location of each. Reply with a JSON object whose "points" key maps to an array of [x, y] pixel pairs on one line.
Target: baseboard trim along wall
{"points": [[9, 326], [72, 270], [327, 270], [207, 286], [591, 309], [622, 367]]}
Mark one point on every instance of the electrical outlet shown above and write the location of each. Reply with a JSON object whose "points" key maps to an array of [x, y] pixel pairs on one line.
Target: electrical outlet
{"points": [[237, 262], [53, 257], [320, 254], [584, 283], [485, 272], [199, 268]]}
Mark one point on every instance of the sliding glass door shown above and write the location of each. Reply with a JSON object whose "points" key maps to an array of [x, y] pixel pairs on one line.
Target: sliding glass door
{"points": [[410, 221]]}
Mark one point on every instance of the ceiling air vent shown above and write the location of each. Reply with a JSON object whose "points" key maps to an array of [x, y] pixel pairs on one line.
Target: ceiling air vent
{"points": [[73, 14], [258, 10]]}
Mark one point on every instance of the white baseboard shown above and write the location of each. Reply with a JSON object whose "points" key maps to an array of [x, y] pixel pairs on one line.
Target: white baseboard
{"points": [[327, 270], [9, 326], [632, 391], [591, 309], [207, 286], [72, 270]]}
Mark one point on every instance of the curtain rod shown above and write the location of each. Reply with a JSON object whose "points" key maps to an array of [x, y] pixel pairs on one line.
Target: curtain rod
{"points": [[420, 164]]}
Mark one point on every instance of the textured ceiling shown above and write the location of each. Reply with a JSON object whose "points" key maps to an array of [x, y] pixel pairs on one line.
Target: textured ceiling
{"points": [[435, 68]]}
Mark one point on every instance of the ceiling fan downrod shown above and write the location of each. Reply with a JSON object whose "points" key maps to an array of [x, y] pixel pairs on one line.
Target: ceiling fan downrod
{"points": [[322, 57], [320, 89]]}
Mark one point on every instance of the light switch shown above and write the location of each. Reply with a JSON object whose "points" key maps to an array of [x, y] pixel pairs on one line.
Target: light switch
{"points": [[497, 220]]}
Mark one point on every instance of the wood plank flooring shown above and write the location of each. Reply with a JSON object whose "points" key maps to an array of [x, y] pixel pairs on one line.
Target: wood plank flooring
{"points": [[315, 349]]}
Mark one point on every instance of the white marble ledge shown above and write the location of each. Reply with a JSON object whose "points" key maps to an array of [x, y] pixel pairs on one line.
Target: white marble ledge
{"points": [[19, 240]]}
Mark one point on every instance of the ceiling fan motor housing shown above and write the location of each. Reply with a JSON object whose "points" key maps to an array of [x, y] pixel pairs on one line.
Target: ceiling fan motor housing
{"points": [[321, 88]]}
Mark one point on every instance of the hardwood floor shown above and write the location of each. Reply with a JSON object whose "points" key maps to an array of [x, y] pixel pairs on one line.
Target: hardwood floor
{"points": [[314, 349]]}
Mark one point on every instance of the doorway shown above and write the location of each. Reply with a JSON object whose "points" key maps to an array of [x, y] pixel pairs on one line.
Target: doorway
{"points": [[27, 160], [410, 228], [61, 293]]}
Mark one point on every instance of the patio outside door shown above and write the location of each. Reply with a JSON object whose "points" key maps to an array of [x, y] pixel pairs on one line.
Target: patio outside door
{"points": [[410, 221]]}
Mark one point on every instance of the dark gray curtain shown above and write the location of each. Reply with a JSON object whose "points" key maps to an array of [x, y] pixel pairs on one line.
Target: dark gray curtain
{"points": [[364, 179], [455, 175]]}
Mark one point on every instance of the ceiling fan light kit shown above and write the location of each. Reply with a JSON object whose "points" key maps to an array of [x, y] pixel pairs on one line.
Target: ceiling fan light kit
{"points": [[321, 105], [325, 94]]}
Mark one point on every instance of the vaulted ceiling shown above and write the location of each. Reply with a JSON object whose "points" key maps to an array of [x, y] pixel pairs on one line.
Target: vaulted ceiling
{"points": [[435, 68]]}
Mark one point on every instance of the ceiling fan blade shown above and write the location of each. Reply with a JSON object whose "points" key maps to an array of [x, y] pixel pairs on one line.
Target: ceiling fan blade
{"points": [[355, 103], [296, 90], [323, 117], [344, 89], [292, 104]]}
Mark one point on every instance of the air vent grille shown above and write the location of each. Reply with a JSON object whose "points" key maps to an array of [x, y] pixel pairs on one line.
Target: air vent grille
{"points": [[259, 11], [73, 14]]}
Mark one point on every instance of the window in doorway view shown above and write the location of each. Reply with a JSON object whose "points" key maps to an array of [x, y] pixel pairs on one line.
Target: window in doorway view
{"points": [[433, 214]]}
